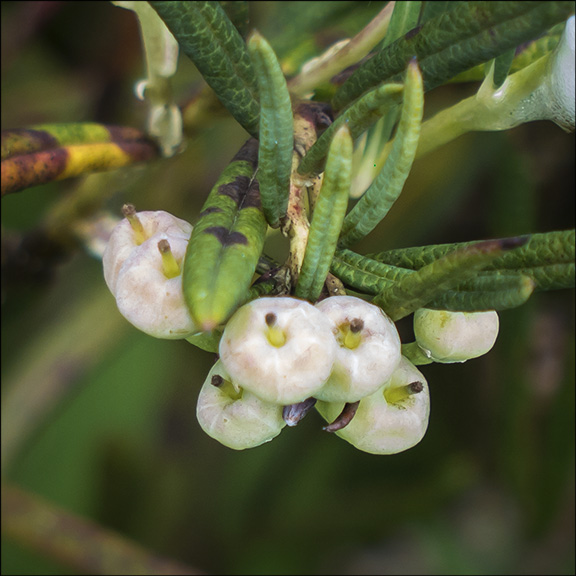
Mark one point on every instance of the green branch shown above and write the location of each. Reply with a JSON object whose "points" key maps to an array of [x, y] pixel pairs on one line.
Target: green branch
{"points": [[75, 542], [49, 152]]}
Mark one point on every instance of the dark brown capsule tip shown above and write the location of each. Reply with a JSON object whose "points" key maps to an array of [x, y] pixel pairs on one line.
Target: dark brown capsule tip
{"points": [[415, 387], [356, 325], [270, 319], [128, 210], [217, 380], [164, 246]]}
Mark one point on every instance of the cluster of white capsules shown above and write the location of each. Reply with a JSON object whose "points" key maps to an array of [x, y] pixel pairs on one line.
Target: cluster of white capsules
{"points": [[142, 268], [280, 356]]}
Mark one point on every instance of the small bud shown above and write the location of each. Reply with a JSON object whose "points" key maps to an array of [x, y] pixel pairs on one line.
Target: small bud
{"points": [[455, 336], [368, 351], [294, 413], [391, 420], [233, 416], [280, 349]]}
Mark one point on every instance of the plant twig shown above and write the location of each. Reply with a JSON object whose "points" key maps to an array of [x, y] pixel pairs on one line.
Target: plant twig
{"points": [[76, 542]]}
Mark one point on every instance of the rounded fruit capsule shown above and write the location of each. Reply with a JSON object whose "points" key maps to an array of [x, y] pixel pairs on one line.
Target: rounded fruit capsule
{"points": [[142, 268], [368, 349], [132, 231], [234, 416], [392, 419], [281, 349], [448, 337]]}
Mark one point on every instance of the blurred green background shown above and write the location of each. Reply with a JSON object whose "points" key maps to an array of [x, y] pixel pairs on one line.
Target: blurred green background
{"points": [[490, 489]]}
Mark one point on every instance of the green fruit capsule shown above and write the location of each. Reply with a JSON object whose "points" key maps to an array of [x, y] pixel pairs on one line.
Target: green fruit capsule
{"points": [[448, 337], [234, 416], [226, 243]]}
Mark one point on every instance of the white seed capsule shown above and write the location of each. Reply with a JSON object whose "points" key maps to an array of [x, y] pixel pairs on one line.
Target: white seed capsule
{"points": [[368, 349], [125, 239], [233, 416], [392, 419], [281, 349], [455, 336], [142, 269]]}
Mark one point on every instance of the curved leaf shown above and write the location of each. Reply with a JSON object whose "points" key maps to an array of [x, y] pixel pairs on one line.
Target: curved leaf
{"points": [[48, 152], [454, 41], [206, 35], [328, 215], [226, 243], [547, 258], [416, 290], [387, 186], [276, 131], [359, 116]]}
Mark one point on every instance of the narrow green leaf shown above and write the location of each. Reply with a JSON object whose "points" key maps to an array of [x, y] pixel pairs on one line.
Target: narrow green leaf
{"points": [[239, 13], [495, 290], [404, 18], [551, 276], [547, 258], [387, 186], [206, 35], [524, 55], [454, 41], [435, 8], [225, 244], [430, 282], [276, 130], [359, 117], [328, 215], [365, 274], [502, 66]]}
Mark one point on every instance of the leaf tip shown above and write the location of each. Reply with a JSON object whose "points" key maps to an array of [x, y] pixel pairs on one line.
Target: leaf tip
{"points": [[254, 38]]}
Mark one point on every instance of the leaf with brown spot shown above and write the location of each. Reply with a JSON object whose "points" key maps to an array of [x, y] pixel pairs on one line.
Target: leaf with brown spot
{"points": [[226, 243]]}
